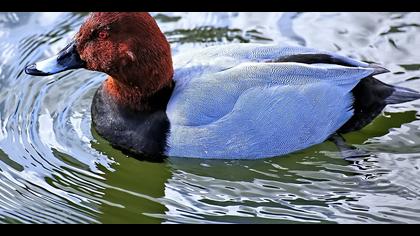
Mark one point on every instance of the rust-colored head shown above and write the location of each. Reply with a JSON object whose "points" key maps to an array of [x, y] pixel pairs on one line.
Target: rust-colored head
{"points": [[124, 43], [128, 46]]}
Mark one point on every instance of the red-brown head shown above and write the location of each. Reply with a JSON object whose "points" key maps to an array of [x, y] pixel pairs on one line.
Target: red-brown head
{"points": [[128, 46]]}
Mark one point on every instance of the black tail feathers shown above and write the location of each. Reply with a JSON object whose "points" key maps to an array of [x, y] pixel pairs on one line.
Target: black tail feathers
{"points": [[401, 95], [370, 98]]}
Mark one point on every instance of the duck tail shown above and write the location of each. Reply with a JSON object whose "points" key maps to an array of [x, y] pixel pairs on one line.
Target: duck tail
{"points": [[370, 98], [394, 94], [401, 95]]}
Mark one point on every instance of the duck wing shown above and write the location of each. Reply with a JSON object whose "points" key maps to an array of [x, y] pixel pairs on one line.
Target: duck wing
{"points": [[259, 109], [222, 57]]}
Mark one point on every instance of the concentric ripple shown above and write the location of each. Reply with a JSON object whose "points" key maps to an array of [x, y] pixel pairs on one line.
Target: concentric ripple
{"points": [[54, 168]]}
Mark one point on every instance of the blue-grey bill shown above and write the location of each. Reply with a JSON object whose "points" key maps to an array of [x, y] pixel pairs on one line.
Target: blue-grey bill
{"points": [[67, 59]]}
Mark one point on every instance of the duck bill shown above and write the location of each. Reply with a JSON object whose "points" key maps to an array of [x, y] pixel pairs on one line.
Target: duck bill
{"points": [[66, 59]]}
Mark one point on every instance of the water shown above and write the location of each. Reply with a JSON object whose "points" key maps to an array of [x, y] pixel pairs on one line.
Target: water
{"points": [[55, 169]]}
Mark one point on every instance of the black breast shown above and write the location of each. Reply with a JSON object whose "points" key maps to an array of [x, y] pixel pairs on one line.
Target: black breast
{"points": [[140, 134]]}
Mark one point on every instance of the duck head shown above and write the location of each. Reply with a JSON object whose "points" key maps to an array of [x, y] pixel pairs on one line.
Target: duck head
{"points": [[128, 46]]}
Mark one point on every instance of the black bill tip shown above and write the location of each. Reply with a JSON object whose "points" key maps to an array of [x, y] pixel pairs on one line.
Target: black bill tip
{"points": [[32, 70]]}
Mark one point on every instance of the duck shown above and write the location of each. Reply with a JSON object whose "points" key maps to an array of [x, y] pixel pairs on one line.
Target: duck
{"points": [[232, 101]]}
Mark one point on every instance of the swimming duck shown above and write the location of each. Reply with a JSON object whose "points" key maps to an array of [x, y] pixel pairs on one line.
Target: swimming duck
{"points": [[235, 101]]}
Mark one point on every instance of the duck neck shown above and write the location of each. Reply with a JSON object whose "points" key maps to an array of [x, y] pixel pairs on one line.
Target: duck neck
{"points": [[138, 98]]}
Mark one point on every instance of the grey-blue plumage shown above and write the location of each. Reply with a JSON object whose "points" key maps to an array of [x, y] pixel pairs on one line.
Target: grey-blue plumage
{"points": [[251, 101]]}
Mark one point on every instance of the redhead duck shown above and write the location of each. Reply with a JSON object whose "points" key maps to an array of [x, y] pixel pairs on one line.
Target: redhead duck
{"points": [[235, 101]]}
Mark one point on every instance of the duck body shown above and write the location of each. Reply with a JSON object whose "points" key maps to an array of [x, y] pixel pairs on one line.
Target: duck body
{"points": [[244, 101], [251, 101], [236, 101]]}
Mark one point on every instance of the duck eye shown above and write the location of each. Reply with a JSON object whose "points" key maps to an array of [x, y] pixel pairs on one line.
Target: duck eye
{"points": [[103, 35]]}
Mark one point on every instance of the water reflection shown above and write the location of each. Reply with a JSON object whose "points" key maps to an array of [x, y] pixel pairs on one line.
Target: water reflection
{"points": [[55, 169]]}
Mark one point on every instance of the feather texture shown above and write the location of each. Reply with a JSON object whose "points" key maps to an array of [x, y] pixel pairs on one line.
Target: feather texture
{"points": [[235, 101]]}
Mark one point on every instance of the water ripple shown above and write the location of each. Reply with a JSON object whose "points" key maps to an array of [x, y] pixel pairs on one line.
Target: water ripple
{"points": [[54, 168]]}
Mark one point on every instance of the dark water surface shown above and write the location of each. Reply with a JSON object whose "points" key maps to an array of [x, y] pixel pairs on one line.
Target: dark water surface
{"points": [[55, 169]]}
